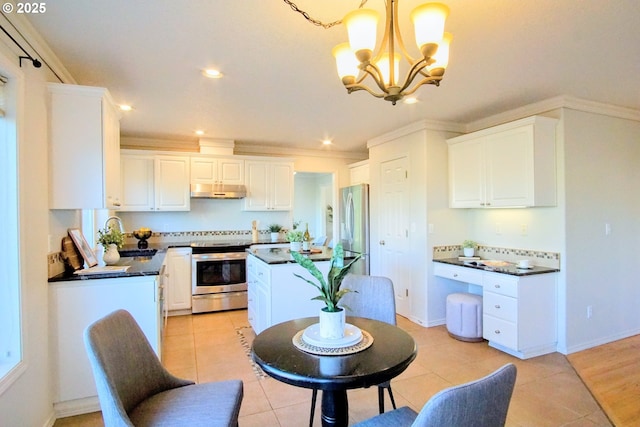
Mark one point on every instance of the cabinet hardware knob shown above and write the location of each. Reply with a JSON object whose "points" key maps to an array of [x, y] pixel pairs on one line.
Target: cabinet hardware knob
{"points": [[382, 242], [497, 331], [496, 286], [497, 305], [455, 274]]}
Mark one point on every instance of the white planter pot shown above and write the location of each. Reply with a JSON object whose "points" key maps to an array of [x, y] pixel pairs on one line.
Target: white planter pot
{"points": [[332, 324], [295, 246], [468, 251], [111, 255], [275, 236]]}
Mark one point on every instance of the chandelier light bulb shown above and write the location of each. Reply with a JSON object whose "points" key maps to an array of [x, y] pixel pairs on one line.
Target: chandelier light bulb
{"points": [[346, 62], [361, 26], [442, 56], [428, 21]]}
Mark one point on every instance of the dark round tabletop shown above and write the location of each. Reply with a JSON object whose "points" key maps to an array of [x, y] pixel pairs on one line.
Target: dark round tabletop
{"points": [[390, 354]]}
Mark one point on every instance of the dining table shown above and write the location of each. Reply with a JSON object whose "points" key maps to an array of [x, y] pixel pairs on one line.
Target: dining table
{"points": [[293, 353]]}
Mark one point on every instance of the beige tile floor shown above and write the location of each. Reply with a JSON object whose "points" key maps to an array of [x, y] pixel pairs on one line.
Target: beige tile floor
{"points": [[208, 347]]}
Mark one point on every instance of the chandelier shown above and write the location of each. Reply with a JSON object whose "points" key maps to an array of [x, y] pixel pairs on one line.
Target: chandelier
{"points": [[356, 60]]}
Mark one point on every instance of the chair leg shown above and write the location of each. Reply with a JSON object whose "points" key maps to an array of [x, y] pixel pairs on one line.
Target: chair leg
{"points": [[393, 402], [313, 406], [381, 398]]}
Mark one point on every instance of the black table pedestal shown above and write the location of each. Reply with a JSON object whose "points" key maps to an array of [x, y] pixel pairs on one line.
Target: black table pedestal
{"points": [[335, 408]]}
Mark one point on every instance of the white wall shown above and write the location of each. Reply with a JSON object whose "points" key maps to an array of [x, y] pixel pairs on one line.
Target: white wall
{"points": [[602, 166], [27, 402]]}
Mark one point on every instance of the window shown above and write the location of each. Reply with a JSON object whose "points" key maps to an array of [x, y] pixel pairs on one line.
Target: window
{"points": [[10, 288]]}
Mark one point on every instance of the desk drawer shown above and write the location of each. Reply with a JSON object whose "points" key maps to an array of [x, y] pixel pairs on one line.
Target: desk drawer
{"points": [[500, 331], [461, 274], [500, 306], [500, 284]]}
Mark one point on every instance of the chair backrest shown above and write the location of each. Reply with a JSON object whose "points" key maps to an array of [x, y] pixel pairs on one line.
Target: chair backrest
{"points": [[480, 403], [374, 298], [125, 367]]}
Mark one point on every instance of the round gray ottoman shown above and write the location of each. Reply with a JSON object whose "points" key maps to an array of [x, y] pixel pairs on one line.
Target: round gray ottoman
{"points": [[464, 316]]}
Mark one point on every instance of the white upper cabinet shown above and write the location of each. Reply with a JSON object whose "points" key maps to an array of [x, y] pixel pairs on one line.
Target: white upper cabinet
{"points": [[84, 148], [359, 173], [212, 170], [511, 165], [155, 182], [269, 185]]}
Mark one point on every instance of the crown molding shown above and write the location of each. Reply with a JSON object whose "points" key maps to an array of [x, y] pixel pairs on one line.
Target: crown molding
{"points": [[416, 127], [551, 104], [254, 149]]}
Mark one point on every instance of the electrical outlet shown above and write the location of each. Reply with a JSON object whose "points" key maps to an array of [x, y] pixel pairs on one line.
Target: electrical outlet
{"points": [[498, 228], [607, 229], [524, 229], [589, 311]]}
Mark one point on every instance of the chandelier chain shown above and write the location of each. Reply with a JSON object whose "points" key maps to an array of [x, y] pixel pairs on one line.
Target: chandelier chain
{"points": [[315, 21]]}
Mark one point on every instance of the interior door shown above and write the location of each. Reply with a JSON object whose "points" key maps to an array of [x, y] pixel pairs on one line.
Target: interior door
{"points": [[394, 230]]}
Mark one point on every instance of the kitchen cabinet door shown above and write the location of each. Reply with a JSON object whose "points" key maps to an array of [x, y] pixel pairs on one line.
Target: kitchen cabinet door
{"points": [[178, 273], [172, 183], [466, 175], [74, 305], [269, 186], [85, 148], [137, 183], [211, 170], [155, 182], [511, 165]]}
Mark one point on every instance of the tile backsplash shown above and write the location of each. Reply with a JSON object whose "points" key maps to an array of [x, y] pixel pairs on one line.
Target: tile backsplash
{"points": [[539, 258]]}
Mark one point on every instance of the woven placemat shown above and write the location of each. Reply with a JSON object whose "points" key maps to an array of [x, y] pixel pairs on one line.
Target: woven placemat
{"points": [[363, 344]]}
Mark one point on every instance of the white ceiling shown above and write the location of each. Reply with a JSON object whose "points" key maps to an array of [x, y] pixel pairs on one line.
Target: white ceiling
{"points": [[281, 87]]}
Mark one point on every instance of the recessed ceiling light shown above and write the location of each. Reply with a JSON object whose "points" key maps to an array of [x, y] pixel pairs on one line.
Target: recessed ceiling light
{"points": [[125, 107], [199, 132], [212, 74], [410, 100], [327, 142]]}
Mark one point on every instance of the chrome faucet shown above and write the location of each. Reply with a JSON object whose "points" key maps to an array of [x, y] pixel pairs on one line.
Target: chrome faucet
{"points": [[117, 220]]}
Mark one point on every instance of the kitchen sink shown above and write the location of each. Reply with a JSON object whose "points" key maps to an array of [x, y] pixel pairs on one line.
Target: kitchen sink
{"points": [[137, 252]]}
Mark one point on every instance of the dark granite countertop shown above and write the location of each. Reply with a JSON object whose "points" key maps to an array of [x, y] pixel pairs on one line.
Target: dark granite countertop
{"points": [[506, 269], [139, 266], [283, 255]]}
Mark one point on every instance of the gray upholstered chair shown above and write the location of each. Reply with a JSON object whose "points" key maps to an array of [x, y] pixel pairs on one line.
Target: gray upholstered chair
{"points": [[374, 299], [480, 403], [134, 388]]}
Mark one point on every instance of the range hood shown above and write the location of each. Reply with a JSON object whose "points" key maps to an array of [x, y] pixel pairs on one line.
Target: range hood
{"points": [[218, 191]]}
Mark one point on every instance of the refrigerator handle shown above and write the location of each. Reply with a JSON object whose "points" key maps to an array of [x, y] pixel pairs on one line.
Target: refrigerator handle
{"points": [[349, 217]]}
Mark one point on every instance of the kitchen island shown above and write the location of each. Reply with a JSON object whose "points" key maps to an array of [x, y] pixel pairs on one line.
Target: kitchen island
{"points": [[275, 293]]}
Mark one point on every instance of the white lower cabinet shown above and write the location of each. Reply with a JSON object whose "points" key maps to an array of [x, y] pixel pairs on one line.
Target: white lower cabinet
{"points": [[519, 312], [74, 305], [178, 279], [275, 295]]}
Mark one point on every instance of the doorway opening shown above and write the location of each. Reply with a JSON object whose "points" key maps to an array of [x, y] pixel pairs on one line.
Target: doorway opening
{"points": [[314, 204]]}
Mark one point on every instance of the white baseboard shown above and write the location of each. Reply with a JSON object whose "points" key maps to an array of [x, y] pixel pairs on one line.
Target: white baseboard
{"points": [[70, 408]]}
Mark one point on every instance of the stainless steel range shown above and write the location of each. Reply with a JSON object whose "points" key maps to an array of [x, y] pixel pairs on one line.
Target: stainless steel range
{"points": [[218, 276]]}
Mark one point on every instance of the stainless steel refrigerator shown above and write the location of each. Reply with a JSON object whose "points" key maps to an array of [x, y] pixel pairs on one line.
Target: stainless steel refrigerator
{"points": [[354, 224]]}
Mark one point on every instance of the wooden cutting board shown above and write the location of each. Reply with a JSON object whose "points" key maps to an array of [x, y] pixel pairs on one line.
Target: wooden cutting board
{"points": [[70, 254]]}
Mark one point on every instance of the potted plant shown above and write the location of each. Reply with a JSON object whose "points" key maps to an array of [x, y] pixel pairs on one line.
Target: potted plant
{"points": [[469, 247], [295, 238], [332, 316], [111, 239], [275, 231]]}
